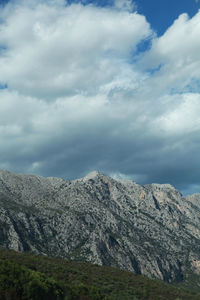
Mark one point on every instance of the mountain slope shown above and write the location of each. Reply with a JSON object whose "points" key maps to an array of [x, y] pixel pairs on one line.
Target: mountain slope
{"points": [[25, 276], [150, 230]]}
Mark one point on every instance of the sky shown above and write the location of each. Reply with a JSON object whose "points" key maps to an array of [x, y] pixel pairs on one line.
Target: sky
{"points": [[112, 86]]}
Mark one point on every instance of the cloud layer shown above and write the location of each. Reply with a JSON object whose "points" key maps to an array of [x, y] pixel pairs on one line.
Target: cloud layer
{"points": [[77, 94]]}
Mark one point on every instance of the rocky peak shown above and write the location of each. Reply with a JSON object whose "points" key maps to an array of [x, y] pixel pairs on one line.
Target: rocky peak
{"points": [[147, 229], [195, 199], [93, 175]]}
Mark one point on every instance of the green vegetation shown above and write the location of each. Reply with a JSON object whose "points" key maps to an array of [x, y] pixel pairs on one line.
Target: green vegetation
{"points": [[191, 282], [34, 277], [19, 282]]}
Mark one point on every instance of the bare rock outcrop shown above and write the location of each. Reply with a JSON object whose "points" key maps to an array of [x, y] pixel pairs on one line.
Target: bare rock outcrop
{"points": [[150, 230]]}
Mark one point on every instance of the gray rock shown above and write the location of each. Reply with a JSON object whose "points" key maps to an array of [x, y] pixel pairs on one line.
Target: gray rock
{"points": [[150, 230]]}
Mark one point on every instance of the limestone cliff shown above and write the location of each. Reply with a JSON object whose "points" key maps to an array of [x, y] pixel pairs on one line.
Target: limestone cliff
{"points": [[149, 229]]}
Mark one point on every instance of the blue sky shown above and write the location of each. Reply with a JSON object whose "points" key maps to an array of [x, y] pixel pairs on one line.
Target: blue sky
{"points": [[106, 85], [161, 14]]}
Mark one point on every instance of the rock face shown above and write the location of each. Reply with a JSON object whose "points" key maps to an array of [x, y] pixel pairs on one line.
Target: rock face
{"points": [[150, 230]]}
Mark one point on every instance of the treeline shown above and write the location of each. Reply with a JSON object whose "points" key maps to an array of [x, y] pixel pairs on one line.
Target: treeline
{"points": [[33, 277]]}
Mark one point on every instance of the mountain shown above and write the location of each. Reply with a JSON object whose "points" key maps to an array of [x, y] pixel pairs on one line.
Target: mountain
{"points": [[34, 277], [151, 230]]}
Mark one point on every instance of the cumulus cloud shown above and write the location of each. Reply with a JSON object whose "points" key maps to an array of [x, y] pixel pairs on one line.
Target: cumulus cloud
{"points": [[174, 57], [54, 50], [125, 5], [77, 95]]}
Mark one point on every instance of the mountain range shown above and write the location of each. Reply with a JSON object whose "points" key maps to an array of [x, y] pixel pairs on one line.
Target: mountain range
{"points": [[151, 230]]}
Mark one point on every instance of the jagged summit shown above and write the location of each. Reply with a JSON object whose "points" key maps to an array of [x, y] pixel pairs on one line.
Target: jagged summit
{"points": [[93, 174], [162, 185]]}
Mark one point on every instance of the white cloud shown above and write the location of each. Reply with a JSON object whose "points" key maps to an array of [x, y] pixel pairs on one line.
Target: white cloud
{"points": [[81, 97], [55, 50], [182, 116], [176, 56], [125, 5]]}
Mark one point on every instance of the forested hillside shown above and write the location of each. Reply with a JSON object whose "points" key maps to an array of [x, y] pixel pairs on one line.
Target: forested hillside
{"points": [[33, 277]]}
